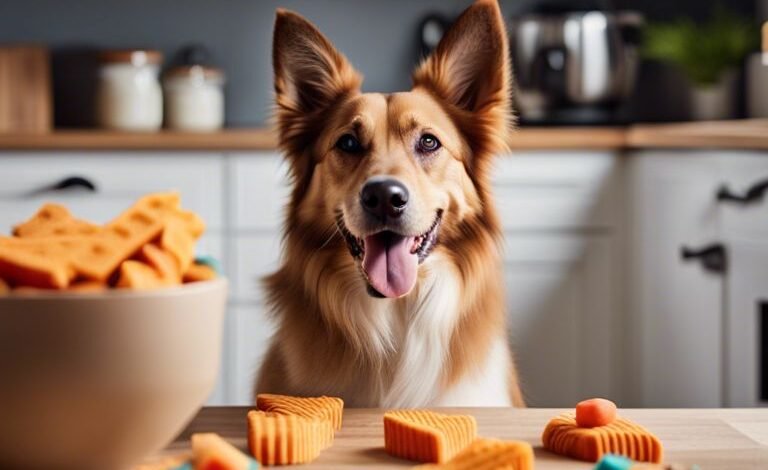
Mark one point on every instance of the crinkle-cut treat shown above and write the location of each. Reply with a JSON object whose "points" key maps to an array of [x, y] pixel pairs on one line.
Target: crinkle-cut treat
{"points": [[54, 220], [199, 272], [621, 437], [211, 452], [330, 408], [278, 439], [489, 454], [427, 436], [162, 262]]}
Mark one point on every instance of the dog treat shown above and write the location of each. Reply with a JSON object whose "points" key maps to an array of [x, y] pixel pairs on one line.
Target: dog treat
{"points": [[162, 262], [328, 408], [595, 412], [618, 462], [54, 220], [34, 266], [279, 439], [149, 245], [621, 436], [427, 436], [489, 454], [199, 272], [211, 452]]}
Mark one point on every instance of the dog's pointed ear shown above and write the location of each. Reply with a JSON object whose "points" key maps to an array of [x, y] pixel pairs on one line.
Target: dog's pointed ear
{"points": [[310, 74], [469, 70]]}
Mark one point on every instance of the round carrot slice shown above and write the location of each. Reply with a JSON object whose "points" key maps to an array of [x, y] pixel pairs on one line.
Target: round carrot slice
{"points": [[595, 412]]}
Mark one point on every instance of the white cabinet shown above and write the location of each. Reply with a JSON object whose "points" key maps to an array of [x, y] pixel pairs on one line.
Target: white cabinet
{"points": [[561, 217], [694, 326], [563, 316]]}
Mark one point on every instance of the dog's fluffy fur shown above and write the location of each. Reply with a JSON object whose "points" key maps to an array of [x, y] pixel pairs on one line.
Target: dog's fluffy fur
{"points": [[443, 343]]}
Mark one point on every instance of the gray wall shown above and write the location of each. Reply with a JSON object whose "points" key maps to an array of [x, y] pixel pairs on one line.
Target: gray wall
{"points": [[378, 36]]}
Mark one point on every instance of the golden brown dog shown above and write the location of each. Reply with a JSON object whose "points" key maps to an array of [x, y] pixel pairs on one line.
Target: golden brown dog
{"points": [[390, 289]]}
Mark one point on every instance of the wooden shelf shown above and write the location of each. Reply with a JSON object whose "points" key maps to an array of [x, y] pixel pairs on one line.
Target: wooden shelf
{"points": [[746, 134]]}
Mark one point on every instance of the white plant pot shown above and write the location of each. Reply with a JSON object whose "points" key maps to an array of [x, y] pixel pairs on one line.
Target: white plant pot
{"points": [[713, 102]]}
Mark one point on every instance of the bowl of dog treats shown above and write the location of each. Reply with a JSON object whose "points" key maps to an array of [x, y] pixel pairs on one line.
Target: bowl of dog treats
{"points": [[110, 335]]}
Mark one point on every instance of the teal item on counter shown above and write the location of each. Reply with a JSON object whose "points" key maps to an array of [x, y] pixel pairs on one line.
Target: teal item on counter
{"points": [[613, 462], [252, 465], [209, 261]]}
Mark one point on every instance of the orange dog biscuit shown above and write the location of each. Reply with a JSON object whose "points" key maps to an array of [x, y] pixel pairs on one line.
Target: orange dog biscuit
{"points": [[199, 272], [54, 220], [278, 439], [328, 408], [35, 266], [163, 263], [426, 436], [622, 437], [489, 454]]}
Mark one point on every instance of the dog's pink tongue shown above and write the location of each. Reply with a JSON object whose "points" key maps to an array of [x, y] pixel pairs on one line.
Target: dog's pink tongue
{"points": [[389, 264]]}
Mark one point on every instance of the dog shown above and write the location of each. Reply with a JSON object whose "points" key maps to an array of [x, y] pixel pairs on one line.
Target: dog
{"points": [[389, 292]]}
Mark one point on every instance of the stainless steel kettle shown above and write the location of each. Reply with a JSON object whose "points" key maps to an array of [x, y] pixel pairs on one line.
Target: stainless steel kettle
{"points": [[573, 60]]}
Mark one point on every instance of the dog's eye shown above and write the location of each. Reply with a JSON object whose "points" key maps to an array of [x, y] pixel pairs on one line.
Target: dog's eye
{"points": [[349, 144], [428, 143]]}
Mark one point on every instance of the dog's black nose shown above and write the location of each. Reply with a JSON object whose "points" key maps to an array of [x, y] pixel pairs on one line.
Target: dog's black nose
{"points": [[384, 197]]}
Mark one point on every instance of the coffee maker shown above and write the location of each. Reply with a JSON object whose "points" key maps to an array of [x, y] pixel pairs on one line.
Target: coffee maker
{"points": [[574, 62]]}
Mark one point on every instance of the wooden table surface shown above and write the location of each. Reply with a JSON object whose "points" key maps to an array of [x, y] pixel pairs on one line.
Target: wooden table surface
{"points": [[727, 439]]}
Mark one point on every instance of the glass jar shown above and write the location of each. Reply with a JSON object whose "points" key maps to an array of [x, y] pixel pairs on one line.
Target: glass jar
{"points": [[129, 96], [194, 98]]}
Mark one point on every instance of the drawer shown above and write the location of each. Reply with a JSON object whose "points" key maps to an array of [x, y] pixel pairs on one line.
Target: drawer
{"points": [[253, 257], [250, 340], [556, 191], [120, 179], [259, 192]]}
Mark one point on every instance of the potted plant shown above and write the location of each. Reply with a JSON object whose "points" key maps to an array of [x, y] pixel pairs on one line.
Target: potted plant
{"points": [[709, 54]]}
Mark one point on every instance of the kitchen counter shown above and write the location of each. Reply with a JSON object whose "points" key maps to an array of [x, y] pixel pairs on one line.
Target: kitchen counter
{"points": [[727, 439], [747, 134]]}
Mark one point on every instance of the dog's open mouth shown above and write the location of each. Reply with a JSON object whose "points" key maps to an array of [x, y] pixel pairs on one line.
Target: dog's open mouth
{"points": [[388, 260]]}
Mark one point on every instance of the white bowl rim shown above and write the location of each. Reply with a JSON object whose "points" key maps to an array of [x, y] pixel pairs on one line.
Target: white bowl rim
{"points": [[169, 291]]}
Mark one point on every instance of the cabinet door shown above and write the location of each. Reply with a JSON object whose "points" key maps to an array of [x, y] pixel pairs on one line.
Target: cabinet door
{"points": [[252, 330], [119, 178], [675, 325], [563, 316], [746, 324]]}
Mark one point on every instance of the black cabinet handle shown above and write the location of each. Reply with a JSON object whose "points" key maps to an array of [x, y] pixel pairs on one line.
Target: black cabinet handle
{"points": [[69, 183], [754, 194], [714, 257]]}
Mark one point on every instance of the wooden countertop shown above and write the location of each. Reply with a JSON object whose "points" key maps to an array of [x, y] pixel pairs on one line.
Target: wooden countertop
{"points": [[746, 134], [727, 439]]}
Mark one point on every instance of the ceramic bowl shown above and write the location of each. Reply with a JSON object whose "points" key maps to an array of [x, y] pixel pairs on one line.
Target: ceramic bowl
{"points": [[101, 380]]}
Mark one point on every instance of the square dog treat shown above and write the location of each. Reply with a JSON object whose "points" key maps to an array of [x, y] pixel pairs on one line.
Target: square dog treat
{"points": [[489, 454]]}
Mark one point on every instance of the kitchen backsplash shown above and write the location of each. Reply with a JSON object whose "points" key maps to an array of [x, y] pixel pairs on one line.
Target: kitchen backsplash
{"points": [[378, 37]]}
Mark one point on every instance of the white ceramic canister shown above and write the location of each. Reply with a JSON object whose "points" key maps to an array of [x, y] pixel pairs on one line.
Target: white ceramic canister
{"points": [[129, 96], [194, 98]]}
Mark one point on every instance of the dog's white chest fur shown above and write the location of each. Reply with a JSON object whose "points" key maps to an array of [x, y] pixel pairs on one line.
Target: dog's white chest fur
{"points": [[421, 330]]}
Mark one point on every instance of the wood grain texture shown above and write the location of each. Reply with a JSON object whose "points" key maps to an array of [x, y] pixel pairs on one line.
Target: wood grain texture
{"points": [[25, 90], [716, 439], [743, 134]]}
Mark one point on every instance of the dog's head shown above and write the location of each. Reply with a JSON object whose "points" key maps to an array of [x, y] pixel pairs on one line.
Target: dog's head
{"points": [[398, 175]]}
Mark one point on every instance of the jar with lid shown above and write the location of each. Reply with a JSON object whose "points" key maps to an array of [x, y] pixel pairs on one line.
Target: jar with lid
{"points": [[129, 96], [194, 98]]}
